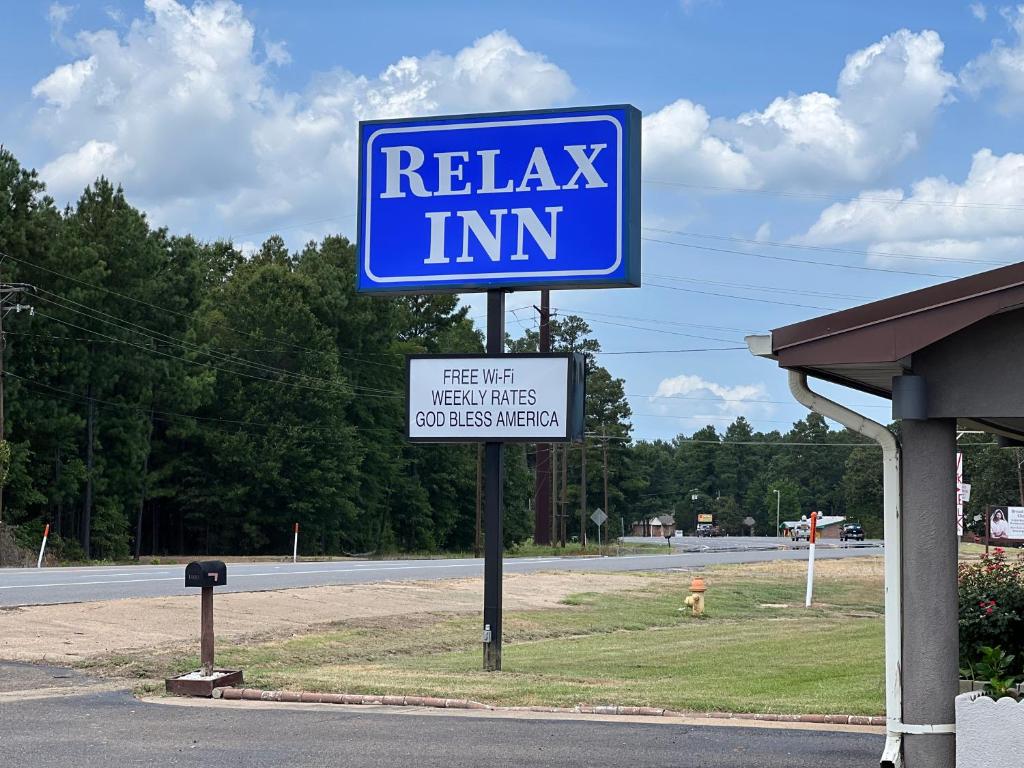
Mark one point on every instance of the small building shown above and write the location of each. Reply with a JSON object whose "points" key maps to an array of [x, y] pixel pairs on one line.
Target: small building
{"points": [[829, 526], [663, 525]]}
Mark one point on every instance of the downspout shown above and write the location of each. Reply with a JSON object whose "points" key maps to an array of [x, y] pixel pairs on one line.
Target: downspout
{"points": [[892, 755]]}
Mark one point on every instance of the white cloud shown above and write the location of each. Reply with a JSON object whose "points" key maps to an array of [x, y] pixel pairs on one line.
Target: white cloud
{"points": [[181, 105], [59, 15], [979, 11], [63, 86], [277, 53], [886, 97], [1002, 67], [737, 400], [677, 143], [980, 218], [76, 170]]}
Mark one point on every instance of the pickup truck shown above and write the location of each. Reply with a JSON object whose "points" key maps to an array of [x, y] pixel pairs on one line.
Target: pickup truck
{"points": [[802, 531], [708, 529]]}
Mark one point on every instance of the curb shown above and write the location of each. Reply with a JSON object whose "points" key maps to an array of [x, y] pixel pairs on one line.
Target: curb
{"points": [[256, 694]]}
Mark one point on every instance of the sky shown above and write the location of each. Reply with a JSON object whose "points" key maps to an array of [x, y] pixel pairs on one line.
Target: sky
{"points": [[798, 158]]}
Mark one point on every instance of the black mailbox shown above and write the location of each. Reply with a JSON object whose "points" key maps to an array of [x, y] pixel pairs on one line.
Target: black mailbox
{"points": [[206, 573]]}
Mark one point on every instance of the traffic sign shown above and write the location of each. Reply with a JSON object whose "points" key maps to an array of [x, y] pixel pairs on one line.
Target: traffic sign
{"points": [[599, 516], [503, 200]]}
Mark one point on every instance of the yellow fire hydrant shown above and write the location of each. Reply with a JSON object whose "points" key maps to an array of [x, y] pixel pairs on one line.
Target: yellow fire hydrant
{"points": [[696, 599]]}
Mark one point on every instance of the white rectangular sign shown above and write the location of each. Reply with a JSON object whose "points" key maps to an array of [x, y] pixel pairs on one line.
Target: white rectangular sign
{"points": [[489, 398]]}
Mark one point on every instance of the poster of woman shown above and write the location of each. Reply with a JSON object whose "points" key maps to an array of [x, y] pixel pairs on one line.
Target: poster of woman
{"points": [[999, 526], [1006, 524]]}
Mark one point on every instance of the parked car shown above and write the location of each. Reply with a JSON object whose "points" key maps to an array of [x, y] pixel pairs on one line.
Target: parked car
{"points": [[802, 531], [708, 529], [852, 531]]}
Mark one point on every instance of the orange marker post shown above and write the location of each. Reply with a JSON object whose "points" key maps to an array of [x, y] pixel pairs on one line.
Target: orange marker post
{"points": [[810, 558], [295, 546], [42, 549]]}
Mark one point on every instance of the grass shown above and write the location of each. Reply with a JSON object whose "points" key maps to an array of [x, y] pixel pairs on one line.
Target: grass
{"points": [[970, 551], [758, 650]]}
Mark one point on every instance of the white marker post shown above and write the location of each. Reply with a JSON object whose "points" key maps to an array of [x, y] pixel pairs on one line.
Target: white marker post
{"points": [[42, 549], [295, 546], [810, 558]]}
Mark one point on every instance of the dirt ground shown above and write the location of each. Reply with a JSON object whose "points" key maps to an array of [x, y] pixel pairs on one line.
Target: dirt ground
{"points": [[74, 632]]}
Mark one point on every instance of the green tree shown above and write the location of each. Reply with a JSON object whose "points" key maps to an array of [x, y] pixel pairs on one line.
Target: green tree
{"points": [[862, 489]]}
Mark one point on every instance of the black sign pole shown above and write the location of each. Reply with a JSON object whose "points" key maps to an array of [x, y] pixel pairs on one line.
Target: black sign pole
{"points": [[494, 478]]}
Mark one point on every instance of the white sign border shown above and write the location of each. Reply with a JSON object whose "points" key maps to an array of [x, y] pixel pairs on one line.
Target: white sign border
{"points": [[494, 275], [464, 440]]}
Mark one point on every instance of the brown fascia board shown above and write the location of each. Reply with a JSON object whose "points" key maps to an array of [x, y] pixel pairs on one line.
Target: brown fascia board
{"points": [[890, 329]]}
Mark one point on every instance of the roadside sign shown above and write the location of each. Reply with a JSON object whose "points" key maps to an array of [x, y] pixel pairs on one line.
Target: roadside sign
{"points": [[705, 518], [599, 516], [513, 200], [1006, 523], [491, 398]]}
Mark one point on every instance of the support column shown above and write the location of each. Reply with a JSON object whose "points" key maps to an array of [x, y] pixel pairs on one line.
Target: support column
{"points": [[930, 658]]}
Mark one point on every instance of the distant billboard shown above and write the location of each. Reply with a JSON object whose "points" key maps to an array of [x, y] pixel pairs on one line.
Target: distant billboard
{"points": [[1006, 523], [705, 518]]}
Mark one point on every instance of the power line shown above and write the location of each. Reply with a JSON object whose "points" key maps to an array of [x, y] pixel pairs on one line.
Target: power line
{"points": [[824, 248], [169, 416], [714, 418], [166, 339], [592, 313], [857, 267], [744, 400], [763, 288], [835, 198], [741, 298], [175, 312], [670, 351], [215, 367]]}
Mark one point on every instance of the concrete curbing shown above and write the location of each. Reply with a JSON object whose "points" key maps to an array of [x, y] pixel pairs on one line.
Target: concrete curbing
{"points": [[256, 694]]}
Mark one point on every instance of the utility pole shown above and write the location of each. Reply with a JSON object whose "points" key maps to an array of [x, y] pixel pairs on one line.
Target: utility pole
{"points": [[565, 493], [143, 490], [542, 486], [554, 496], [583, 493], [778, 502], [1020, 478], [7, 290], [607, 509]]}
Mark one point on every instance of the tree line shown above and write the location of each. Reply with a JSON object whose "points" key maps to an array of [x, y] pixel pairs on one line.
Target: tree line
{"points": [[169, 395]]}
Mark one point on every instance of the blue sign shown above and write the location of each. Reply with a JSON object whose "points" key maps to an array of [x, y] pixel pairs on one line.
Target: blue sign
{"points": [[513, 200]]}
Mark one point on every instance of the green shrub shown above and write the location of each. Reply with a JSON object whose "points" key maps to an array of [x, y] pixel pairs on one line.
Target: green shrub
{"points": [[992, 608]]}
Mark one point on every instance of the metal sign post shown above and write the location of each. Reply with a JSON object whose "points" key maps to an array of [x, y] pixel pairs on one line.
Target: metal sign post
{"points": [[599, 517], [494, 503]]}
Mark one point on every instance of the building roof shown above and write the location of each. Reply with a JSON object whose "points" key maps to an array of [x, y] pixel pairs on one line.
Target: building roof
{"points": [[866, 346], [823, 521]]}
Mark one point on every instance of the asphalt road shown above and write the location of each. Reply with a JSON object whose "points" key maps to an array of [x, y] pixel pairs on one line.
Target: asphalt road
{"points": [[31, 586], [93, 729]]}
